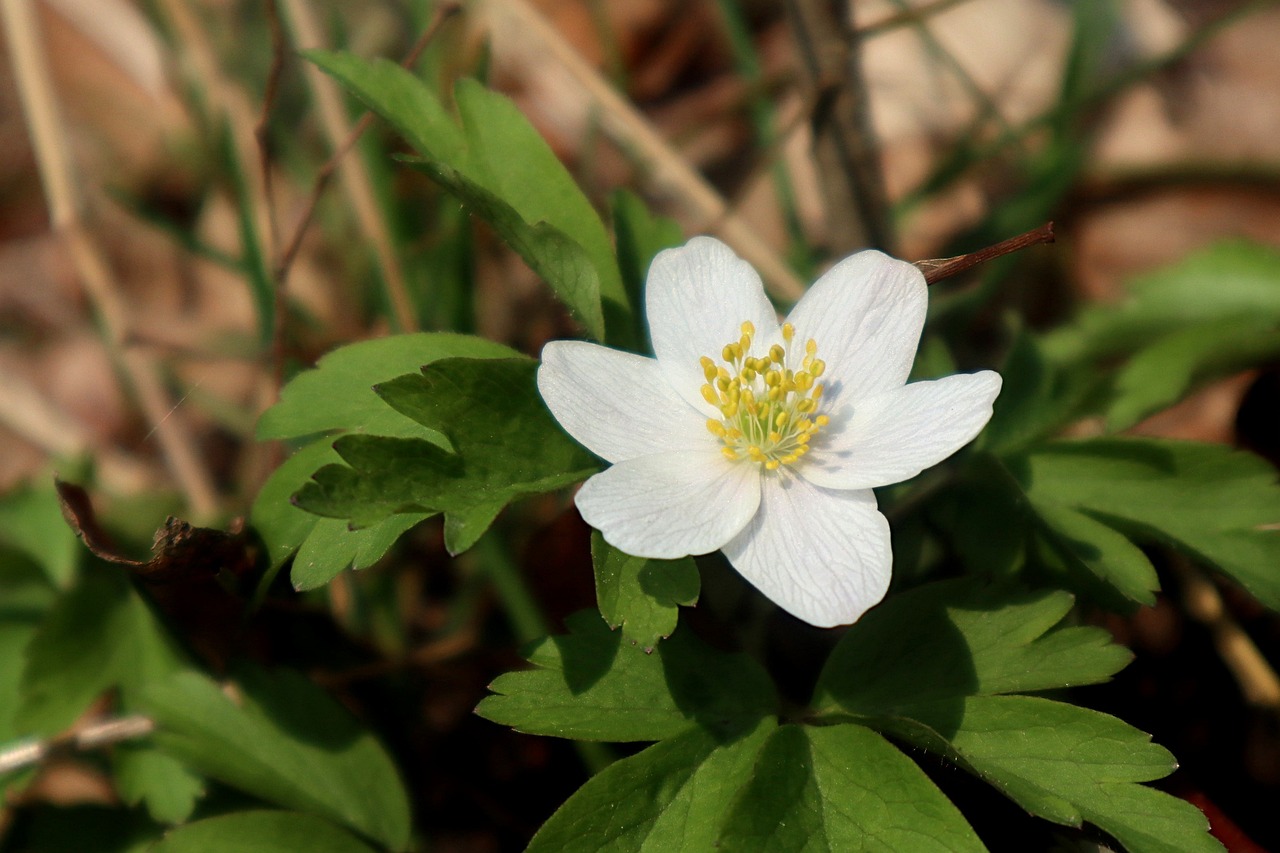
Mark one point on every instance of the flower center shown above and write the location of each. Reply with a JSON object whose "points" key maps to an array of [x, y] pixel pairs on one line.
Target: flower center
{"points": [[768, 407]]}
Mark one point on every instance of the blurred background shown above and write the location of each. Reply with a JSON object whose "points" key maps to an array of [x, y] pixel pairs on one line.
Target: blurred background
{"points": [[150, 190]]}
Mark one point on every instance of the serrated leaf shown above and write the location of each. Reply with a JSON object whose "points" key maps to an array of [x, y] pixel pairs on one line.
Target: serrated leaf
{"points": [[1230, 279], [325, 547], [589, 685], [641, 596], [674, 796], [1206, 499], [338, 393], [1066, 764], [144, 774], [98, 635], [289, 744], [507, 446], [493, 159], [1161, 374], [841, 787], [260, 832], [953, 639], [1100, 550]]}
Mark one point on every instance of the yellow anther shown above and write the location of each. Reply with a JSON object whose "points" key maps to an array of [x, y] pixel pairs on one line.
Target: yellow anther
{"points": [[775, 437], [771, 465], [729, 453], [788, 332], [748, 328], [822, 420], [734, 435], [804, 381], [744, 344], [777, 353], [709, 394], [749, 375], [755, 452], [818, 367], [806, 406], [715, 427], [772, 378], [775, 394], [730, 352], [729, 409], [804, 425], [811, 347], [817, 391], [723, 385], [788, 459], [781, 420]]}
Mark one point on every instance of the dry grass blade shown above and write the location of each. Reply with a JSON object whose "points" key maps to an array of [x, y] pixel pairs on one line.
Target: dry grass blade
{"points": [[58, 176]]}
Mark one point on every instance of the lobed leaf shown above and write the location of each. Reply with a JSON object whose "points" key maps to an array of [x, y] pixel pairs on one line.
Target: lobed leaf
{"points": [[841, 787], [640, 596], [1063, 763], [946, 641], [338, 393], [589, 685], [497, 164], [507, 445], [1218, 504], [674, 796]]}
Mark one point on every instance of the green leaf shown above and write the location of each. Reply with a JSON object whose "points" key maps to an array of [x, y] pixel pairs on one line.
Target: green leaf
{"points": [[673, 796], [261, 832], [1065, 764], [1164, 372], [325, 546], [589, 685], [507, 445], [144, 774], [493, 159], [31, 521], [1099, 550], [1229, 280], [841, 788], [338, 393], [953, 639], [97, 635], [1208, 500], [641, 596], [1037, 398], [289, 744]]}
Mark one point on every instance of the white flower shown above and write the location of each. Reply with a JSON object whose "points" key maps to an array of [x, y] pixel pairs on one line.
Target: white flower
{"points": [[759, 439]]}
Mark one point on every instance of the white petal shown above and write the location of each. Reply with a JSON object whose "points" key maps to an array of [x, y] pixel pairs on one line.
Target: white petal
{"points": [[616, 404], [821, 555], [696, 299], [671, 505], [866, 314], [894, 436]]}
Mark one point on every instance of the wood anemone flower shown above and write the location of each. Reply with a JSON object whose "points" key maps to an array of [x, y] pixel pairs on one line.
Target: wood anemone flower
{"points": [[764, 439]]}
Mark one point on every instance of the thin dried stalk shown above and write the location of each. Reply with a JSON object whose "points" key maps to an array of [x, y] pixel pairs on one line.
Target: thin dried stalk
{"points": [[139, 372], [1258, 681], [355, 178], [659, 163]]}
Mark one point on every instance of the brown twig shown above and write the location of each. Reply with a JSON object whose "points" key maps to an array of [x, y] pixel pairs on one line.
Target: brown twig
{"points": [[1258, 681], [940, 268]]}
